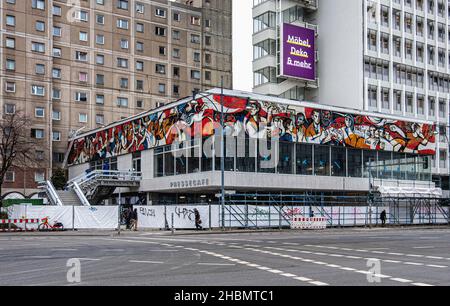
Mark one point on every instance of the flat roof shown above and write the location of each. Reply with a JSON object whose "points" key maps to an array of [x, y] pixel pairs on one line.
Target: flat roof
{"points": [[260, 97]]}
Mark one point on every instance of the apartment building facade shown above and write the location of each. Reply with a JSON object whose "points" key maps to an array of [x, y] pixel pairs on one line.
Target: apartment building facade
{"points": [[82, 64], [386, 56]]}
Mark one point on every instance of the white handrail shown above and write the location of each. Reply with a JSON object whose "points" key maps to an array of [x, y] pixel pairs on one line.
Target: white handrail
{"points": [[53, 194], [105, 174], [80, 194]]}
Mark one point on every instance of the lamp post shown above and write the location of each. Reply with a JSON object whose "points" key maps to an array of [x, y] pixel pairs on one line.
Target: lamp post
{"points": [[222, 151]]}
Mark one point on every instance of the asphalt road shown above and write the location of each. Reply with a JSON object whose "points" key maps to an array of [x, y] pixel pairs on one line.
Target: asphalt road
{"points": [[351, 257]]}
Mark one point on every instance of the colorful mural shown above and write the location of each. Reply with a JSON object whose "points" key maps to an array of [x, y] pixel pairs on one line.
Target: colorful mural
{"points": [[258, 119]]}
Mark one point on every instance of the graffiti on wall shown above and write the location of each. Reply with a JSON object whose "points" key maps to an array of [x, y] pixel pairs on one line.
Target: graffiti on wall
{"points": [[258, 120]]}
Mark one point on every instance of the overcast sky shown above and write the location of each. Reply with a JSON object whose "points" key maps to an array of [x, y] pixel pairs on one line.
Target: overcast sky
{"points": [[242, 45]]}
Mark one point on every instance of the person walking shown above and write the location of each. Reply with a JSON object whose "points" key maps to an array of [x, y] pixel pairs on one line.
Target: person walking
{"points": [[198, 221], [134, 220], [383, 217]]}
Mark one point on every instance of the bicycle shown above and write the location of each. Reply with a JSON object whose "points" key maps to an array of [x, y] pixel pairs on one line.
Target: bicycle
{"points": [[46, 226]]}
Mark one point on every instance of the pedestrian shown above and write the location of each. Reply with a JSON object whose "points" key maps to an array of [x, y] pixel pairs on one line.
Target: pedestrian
{"points": [[383, 217], [127, 215], [134, 219], [198, 221]]}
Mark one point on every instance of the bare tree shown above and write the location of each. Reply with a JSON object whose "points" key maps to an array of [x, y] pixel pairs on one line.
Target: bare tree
{"points": [[16, 145]]}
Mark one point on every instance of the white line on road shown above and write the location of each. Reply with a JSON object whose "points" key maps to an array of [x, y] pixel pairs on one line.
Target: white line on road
{"points": [[64, 250], [214, 264], [146, 262], [89, 259], [424, 247]]}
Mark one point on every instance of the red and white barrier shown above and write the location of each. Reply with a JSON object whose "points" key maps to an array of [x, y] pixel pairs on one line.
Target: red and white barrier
{"points": [[299, 222], [19, 221]]}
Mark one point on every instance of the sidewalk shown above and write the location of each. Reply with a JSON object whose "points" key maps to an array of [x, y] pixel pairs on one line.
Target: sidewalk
{"points": [[128, 233]]}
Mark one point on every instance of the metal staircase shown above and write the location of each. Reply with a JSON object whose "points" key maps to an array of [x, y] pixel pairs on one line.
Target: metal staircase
{"points": [[98, 185]]}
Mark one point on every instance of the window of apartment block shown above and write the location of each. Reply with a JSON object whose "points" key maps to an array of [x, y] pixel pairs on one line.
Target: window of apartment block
{"points": [[122, 24], [420, 105], [39, 155], [10, 20], [139, 65], [37, 47], [195, 20], [99, 119], [140, 27], [208, 40], [161, 69], [81, 56], [122, 102], [409, 103], [56, 94], [195, 39], [139, 103], [124, 43], [208, 75], [139, 46], [40, 26], [38, 4], [159, 31], [40, 69], [139, 85], [57, 52], [56, 73], [56, 115], [100, 39], [100, 59], [10, 43], [122, 4], [56, 10], [160, 12], [81, 96], [431, 106], [100, 19], [83, 36], [10, 177], [175, 35], [122, 62], [57, 31], [207, 58], [162, 50], [123, 83], [56, 136], [373, 96], [195, 74], [176, 16], [10, 86], [58, 157], [37, 90], [100, 99], [140, 8], [176, 90], [99, 79], [176, 72], [82, 16], [37, 133], [82, 118], [83, 77], [10, 109], [176, 53], [10, 64], [196, 56], [161, 88], [39, 112]]}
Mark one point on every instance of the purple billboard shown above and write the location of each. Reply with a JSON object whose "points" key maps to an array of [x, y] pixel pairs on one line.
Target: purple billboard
{"points": [[298, 52]]}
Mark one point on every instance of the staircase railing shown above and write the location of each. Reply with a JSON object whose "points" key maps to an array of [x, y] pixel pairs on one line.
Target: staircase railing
{"points": [[105, 175], [80, 194], [51, 192]]}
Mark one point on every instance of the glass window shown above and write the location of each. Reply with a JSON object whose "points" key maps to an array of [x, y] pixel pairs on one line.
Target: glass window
{"points": [[286, 158], [370, 164], [245, 160], [355, 164], [304, 159], [322, 160], [385, 165], [338, 161]]}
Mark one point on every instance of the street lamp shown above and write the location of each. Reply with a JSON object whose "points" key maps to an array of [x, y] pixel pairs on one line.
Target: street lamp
{"points": [[222, 150]]}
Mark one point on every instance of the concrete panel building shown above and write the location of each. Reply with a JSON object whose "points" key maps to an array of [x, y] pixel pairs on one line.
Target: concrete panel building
{"points": [[386, 56], [80, 65]]}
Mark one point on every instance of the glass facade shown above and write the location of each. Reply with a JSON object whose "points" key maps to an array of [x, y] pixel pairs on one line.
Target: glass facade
{"points": [[294, 159]]}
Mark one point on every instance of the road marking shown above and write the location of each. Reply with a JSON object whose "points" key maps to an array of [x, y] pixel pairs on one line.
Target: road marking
{"points": [[401, 280], [146, 262], [214, 264], [437, 266], [326, 264], [424, 247], [296, 277], [422, 285], [40, 257], [89, 259], [414, 264]]}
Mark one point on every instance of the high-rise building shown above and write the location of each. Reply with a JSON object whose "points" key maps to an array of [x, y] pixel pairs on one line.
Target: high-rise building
{"points": [[374, 55], [78, 65]]}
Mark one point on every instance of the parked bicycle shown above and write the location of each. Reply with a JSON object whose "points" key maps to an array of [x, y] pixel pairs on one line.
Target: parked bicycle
{"points": [[46, 226]]}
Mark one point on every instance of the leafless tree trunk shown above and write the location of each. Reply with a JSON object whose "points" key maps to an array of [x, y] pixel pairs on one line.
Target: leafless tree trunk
{"points": [[16, 145]]}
